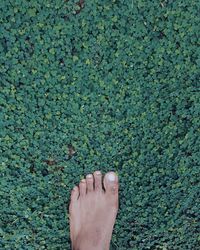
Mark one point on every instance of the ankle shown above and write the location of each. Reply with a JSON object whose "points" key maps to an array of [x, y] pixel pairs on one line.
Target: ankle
{"points": [[85, 243], [88, 247]]}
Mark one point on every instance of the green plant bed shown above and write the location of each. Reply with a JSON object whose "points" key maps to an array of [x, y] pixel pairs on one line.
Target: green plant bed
{"points": [[100, 85]]}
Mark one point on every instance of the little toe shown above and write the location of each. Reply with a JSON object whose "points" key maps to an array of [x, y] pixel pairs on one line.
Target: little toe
{"points": [[98, 181], [74, 194], [90, 183], [82, 187]]}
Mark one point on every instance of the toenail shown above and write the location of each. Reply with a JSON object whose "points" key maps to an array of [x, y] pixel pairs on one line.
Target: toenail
{"points": [[98, 172], [111, 177], [89, 176], [83, 180]]}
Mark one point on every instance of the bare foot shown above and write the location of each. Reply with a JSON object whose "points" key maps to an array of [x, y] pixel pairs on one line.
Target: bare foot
{"points": [[93, 212]]}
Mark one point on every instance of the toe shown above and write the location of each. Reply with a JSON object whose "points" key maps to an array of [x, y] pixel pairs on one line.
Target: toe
{"points": [[111, 183], [74, 194], [82, 187], [98, 181], [90, 183]]}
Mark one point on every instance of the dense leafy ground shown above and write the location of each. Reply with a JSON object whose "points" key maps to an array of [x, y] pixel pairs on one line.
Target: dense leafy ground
{"points": [[109, 85]]}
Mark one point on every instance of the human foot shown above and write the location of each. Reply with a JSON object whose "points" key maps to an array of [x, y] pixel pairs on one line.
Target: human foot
{"points": [[93, 210]]}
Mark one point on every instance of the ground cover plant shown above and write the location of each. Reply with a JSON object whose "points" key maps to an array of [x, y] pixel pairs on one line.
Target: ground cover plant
{"points": [[109, 85]]}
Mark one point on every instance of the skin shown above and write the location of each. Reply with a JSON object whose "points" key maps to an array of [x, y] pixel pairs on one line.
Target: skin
{"points": [[93, 210]]}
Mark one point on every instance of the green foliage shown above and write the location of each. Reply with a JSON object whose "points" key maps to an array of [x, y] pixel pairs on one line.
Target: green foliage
{"points": [[100, 85]]}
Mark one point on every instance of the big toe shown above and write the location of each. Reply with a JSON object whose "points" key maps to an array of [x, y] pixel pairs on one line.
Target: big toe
{"points": [[111, 185]]}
